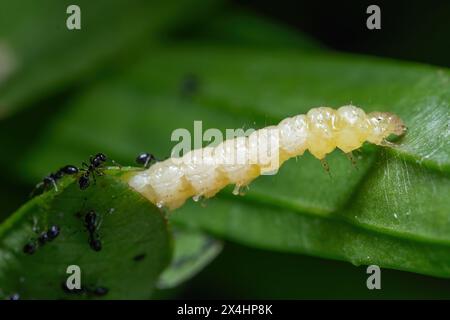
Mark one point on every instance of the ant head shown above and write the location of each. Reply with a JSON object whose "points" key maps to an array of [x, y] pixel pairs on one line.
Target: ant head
{"points": [[98, 159], [53, 232], [143, 158], [101, 156]]}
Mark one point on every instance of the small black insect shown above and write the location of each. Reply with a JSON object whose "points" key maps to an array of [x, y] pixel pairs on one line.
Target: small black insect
{"points": [[69, 169], [72, 291], [100, 291], [145, 159], [89, 290], [190, 85], [14, 296], [92, 169], [43, 238], [29, 248], [52, 179], [92, 223], [139, 257], [53, 232]]}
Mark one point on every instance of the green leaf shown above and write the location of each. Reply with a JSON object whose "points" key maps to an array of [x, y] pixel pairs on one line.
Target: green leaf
{"points": [[391, 211], [136, 244], [193, 251], [274, 275], [246, 29], [277, 228], [111, 32]]}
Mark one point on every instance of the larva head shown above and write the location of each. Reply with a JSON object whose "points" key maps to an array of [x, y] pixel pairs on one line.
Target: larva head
{"points": [[384, 124]]}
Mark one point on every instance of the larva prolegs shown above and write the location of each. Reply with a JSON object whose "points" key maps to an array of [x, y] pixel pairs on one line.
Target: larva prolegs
{"points": [[240, 190], [200, 174]]}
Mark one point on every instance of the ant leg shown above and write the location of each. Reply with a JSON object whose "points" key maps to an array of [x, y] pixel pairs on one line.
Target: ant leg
{"points": [[36, 188], [116, 164], [100, 221], [83, 169], [146, 163], [150, 160], [55, 186]]}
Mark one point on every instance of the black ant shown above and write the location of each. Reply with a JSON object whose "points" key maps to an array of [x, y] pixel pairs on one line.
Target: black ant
{"points": [[139, 257], [30, 247], [92, 223], [43, 238], [52, 178], [145, 158], [91, 169], [99, 291], [189, 85], [89, 290], [52, 233], [14, 296]]}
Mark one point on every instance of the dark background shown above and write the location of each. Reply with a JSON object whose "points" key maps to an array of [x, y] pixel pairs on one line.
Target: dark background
{"points": [[410, 30]]}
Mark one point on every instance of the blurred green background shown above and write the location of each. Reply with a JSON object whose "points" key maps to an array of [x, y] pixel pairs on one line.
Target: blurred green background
{"points": [[53, 79]]}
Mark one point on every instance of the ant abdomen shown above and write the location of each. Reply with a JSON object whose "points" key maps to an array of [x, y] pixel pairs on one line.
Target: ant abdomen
{"points": [[69, 169], [84, 182], [95, 244]]}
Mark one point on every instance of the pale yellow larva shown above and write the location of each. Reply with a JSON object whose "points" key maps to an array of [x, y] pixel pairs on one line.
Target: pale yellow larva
{"points": [[203, 172]]}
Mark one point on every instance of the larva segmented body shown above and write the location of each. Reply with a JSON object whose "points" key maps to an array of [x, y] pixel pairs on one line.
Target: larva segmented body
{"points": [[203, 172]]}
